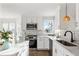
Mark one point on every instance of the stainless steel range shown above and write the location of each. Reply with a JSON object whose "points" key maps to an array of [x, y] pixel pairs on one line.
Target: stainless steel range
{"points": [[32, 41]]}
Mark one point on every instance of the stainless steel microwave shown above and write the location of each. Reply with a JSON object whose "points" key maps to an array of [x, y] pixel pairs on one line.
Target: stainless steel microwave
{"points": [[31, 26]]}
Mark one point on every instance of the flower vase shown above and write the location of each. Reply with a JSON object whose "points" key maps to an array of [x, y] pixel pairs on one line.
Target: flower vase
{"points": [[6, 44]]}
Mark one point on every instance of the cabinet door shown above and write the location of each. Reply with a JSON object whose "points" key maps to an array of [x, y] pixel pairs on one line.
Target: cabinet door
{"points": [[34, 19], [46, 43], [40, 43], [54, 49], [43, 43], [28, 20], [57, 49], [59, 52], [40, 23], [67, 53]]}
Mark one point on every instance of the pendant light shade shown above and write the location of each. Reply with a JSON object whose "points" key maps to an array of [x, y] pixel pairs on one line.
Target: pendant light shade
{"points": [[66, 18]]}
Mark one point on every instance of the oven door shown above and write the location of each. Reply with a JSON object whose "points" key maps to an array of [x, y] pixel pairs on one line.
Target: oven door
{"points": [[33, 44]]}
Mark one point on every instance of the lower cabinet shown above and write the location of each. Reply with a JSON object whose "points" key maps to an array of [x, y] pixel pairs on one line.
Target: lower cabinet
{"points": [[67, 53], [42, 43], [54, 49], [59, 50]]}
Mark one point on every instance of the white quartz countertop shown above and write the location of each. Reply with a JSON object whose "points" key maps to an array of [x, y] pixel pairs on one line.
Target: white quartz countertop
{"points": [[50, 37], [14, 50], [74, 50]]}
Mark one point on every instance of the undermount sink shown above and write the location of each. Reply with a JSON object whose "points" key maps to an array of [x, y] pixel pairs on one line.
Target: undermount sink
{"points": [[51, 34], [65, 43]]}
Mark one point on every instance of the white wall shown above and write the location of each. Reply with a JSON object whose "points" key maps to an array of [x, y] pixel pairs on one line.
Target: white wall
{"points": [[77, 22], [71, 12], [71, 24]]}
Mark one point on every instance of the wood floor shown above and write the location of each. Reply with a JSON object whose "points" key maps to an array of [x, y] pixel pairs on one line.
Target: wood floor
{"points": [[35, 52]]}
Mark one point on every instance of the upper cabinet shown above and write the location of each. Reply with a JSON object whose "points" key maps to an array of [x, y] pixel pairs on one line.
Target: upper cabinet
{"points": [[34, 19], [28, 20], [39, 23], [31, 19]]}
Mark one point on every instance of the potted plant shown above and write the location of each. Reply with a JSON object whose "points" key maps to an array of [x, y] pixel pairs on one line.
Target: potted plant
{"points": [[5, 35]]}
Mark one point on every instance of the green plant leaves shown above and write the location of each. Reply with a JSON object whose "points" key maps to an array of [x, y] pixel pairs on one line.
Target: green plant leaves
{"points": [[5, 34]]}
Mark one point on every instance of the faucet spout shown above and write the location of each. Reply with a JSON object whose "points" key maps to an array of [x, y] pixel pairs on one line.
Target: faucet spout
{"points": [[71, 35]]}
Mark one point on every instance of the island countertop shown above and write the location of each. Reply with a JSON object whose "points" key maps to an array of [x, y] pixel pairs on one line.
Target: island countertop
{"points": [[74, 50], [50, 37], [13, 51]]}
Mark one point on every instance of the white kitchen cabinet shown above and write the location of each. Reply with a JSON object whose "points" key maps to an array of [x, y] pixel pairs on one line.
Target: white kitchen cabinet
{"points": [[54, 49], [31, 19], [42, 43], [46, 43], [28, 19], [59, 50], [67, 53], [40, 23], [34, 19]]}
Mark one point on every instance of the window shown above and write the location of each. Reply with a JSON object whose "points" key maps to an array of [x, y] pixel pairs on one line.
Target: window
{"points": [[48, 24], [5, 26], [8, 26]]}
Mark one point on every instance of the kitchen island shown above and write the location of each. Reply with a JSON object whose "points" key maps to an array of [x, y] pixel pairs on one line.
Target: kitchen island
{"points": [[19, 49]]}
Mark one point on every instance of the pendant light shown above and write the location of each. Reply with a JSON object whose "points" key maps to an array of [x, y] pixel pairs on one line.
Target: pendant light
{"points": [[66, 18]]}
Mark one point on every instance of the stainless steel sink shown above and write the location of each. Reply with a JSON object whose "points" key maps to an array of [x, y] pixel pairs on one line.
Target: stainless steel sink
{"points": [[51, 34], [65, 43]]}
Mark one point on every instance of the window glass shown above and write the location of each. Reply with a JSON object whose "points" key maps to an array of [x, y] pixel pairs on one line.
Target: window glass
{"points": [[5, 26], [48, 24]]}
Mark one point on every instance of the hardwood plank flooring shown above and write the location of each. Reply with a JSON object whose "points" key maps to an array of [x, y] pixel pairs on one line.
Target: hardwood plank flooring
{"points": [[35, 52]]}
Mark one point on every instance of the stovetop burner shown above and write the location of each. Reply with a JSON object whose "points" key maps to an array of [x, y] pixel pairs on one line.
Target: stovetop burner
{"points": [[31, 37]]}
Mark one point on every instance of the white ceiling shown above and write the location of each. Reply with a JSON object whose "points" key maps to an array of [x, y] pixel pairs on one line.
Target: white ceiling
{"points": [[30, 9]]}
